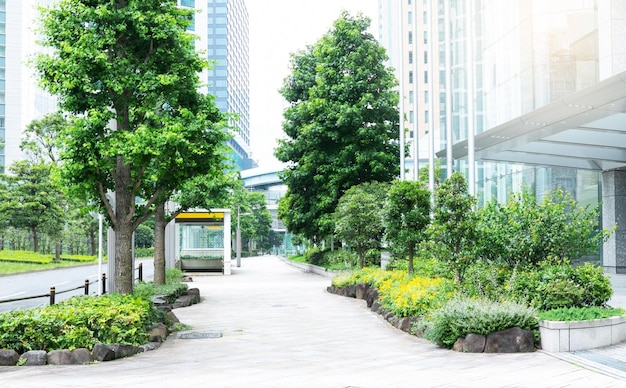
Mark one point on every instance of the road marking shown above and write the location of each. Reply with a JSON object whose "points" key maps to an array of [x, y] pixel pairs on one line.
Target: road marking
{"points": [[11, 295], [60, 284]]}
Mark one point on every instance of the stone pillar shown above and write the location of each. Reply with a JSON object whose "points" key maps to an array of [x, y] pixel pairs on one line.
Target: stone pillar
{"points": [[614, 214]]}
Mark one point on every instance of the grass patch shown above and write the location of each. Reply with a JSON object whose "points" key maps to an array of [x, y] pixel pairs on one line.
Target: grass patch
{"points": [[580, 314], [298, 258]]}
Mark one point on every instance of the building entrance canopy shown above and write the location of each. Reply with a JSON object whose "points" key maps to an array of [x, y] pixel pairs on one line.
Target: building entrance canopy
{"points": [[585, 130]]}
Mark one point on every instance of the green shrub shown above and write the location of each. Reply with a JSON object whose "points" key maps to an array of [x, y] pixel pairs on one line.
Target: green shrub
{"points": [[486, 280], [372, 257], [462, 316], [79, 258], [340, 259], [171, 290], [315, 256], [580, 313], [559, 285], [144, 252], [413, 296], [25, 257], [78, 322]]}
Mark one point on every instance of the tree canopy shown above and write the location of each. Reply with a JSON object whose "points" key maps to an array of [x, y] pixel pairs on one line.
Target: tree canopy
{"points": [[359, 217], [129, 73], [341, 124]]}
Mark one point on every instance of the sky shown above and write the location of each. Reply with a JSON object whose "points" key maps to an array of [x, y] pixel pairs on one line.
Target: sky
{"points": [[277, 29]]}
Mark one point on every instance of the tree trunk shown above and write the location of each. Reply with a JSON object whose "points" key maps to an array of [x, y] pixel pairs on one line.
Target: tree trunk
{"points": [[124, 209], [57, 252], [411, 253], [159, 244], [361, 257], [35, 239]]}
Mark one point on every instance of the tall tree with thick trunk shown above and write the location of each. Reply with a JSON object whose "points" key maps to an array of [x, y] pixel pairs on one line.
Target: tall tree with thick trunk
{"points": [[341, 125], [128, 71]]}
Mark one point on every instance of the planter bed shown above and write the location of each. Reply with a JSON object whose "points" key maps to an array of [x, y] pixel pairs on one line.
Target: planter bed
{"points": [[560, 336]]}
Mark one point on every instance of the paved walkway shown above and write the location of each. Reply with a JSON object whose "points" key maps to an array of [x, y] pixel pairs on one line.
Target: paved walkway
{"points": [[281, 329]]}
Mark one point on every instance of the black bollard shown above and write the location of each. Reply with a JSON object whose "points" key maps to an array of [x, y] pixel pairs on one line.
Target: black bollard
{"points": [[52, 293], [86, 286], [104, 283]]}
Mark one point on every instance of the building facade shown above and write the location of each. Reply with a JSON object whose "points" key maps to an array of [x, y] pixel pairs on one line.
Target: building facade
{"points": [[229, 79], [527, 96]]}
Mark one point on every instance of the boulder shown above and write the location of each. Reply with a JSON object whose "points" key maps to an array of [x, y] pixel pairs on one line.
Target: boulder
{"points": [[360, 290], [183, 301], [458, 345], [123, 350], [158, 332], [512, 340], [195, 292], [149, 346], [34, 358], [371, 297], [172, 317], [81, 356], [60, 357], [474, 343], [8, 357], [404, 324], [376, 307], [102, 352]]}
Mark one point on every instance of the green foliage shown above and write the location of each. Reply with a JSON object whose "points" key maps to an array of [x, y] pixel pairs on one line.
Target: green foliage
{"points": [[453, 231], [462, 316], [79, 258], [24, 257], [487, 280], [298, 258], [523, 231], [559, 285], [340, 259], [358, 217], [144, 252], [78, 322], [314, 256], [406, 216], [580, 313], [340, 125], [129, 73]]}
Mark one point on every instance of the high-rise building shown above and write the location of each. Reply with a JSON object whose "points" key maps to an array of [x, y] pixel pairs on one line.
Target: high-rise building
{"points": [[21, 100], [525, 94], [229, 80], [222, 30]]}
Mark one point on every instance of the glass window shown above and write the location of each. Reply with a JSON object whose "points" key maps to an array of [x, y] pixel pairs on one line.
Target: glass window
{"points": [[410, 57], [426, 96], [426, 116], [410, 37], [410, 77], [411, 117], [410, 17], [411, 97], [188, 3]]}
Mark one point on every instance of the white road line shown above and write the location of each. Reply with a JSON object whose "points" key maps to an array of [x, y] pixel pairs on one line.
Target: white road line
{"points": [[60, 284], [12, 295]]}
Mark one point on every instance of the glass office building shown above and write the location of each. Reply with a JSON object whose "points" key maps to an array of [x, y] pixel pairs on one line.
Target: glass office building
{"points": [[529, 94]]}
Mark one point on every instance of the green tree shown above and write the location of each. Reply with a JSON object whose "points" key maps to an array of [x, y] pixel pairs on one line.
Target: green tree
{"points": [[453, 231], [341, 125], [129, 71], [407, 214], [359, 219], [32, 200]]}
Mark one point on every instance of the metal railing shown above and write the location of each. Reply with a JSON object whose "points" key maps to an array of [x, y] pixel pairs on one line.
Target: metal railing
{"points": [[53, 292]]}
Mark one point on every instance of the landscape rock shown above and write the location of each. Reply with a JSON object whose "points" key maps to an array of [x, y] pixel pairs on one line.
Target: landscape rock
{"points": [[81, 356], [371, 297], [183, 301], [512, 340], [8, 357], [35, 358], [404, 324], [158, 332], [195, 292], [60, 357], [474, 343], [458, 345], [102, 352], [172, 317], [149, 346], [376, 307], [123, 350], [360, 290]]}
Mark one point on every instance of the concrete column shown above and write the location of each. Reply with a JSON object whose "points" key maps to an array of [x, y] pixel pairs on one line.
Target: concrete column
{"points": [[611, 30], [614, 214]]}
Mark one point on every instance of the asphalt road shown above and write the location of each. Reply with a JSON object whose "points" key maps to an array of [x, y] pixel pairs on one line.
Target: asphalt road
{"points": [[63, 279]]}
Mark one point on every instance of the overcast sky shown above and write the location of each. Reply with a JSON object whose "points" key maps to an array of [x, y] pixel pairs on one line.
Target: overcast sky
{"points": [[278, 28]]}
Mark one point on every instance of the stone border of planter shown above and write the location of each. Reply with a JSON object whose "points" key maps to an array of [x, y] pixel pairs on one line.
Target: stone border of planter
{"points": [[512, 340], [103, 352], [561, 336]]}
